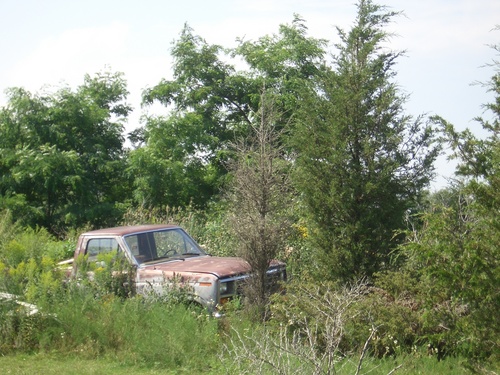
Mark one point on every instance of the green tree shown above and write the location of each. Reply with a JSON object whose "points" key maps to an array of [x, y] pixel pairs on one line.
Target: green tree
{"points": [[206, 104], [283, 63], [457, 249], [210, 104], [451, 269], [361, 161], [62, 159], [453, 258], [167, 171], [479, 159]]}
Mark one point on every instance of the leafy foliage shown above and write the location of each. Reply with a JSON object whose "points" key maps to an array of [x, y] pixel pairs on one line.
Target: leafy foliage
{"points": [[62, 156], [28, 261], [181, 160], [447, 288], [452, 266], [210, 105]]}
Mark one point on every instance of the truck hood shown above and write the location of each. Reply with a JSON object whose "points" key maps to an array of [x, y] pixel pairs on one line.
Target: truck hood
{"points": [[217, 266]]}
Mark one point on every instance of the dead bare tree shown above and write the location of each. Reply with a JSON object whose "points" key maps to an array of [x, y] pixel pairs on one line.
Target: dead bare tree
{"points": [[259, 194]]}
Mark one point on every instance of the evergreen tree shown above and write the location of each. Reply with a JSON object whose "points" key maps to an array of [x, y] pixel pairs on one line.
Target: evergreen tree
{"points": [[362, 163]]}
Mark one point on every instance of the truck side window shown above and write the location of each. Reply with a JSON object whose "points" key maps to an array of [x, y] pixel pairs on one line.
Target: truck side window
{"points": [[97, 246]]}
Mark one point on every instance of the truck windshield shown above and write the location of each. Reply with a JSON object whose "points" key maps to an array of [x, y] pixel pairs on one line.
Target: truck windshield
{"points": [[162, 245]]}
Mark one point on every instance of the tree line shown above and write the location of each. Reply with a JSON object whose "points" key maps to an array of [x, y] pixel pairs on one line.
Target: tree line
{"points": [[306, 153]]}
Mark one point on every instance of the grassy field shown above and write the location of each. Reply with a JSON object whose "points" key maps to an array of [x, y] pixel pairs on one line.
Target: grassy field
{"points": [[48, 364], [53, 365]]}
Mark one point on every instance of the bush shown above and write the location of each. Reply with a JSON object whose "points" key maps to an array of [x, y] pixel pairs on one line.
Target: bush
{"points": [[28, 263], [306, 332], [455, 263]]}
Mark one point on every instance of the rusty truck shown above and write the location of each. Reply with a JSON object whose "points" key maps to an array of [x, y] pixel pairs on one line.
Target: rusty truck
{"points": [[159, 254]]}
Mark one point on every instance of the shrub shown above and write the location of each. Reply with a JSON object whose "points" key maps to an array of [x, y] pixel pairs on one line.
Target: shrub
{"points": [[455, 263], [306, 333], [28, 264]]}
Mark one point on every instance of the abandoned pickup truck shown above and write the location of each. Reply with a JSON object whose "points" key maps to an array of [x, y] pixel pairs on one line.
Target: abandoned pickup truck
{"points": [[161, 253]]}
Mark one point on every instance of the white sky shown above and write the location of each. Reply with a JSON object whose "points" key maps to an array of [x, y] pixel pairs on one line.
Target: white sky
{"points": [[48, 42]]}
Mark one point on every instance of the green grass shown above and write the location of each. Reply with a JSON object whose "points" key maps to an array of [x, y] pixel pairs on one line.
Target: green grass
{"points": [[52, 364], [82, 334], [405, 365], [48, 364], [110, 331]]}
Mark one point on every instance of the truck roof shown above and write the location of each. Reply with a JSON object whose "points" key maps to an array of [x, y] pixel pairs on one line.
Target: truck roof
{"points": [[125, 230]]}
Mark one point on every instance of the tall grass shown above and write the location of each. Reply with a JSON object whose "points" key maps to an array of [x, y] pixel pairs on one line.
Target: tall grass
{"points": [[133, 331]]}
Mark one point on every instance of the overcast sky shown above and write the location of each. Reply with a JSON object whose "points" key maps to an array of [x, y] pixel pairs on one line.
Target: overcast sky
{"points": [[50, 42]]}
